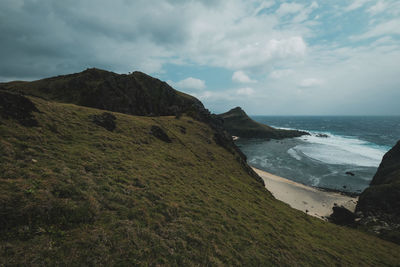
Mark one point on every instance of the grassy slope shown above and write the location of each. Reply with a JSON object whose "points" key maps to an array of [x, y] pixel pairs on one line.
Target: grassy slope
{"points": [[124, 197]]}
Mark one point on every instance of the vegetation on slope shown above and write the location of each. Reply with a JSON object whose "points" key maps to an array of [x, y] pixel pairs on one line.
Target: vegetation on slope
{"points": [[73, 192], [380, 202], [238, 123]]}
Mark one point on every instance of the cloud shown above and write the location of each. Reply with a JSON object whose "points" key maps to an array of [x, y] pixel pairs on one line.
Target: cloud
{"points": [[310, 82], [277, 74], [289, 8], [379, 7], [356, 4], [52, 37], [189, 84], [263, 5], [391, 27], [246, 91], [340, 58], [241, 77]]}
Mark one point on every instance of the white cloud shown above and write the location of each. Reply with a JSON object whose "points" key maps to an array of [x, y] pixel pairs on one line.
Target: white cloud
{"points": [[262, 6], [305, 12], [241, 77], [289, 8], [377, 8], [246, 91], [310, 82], [189, 84], [356, 4], [277, 74], [314, 5], [385, 28]]}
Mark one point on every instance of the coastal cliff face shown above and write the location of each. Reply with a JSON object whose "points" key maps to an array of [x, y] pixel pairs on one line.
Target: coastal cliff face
{"points": [[238, 123], [85, 186], [379, 204]]}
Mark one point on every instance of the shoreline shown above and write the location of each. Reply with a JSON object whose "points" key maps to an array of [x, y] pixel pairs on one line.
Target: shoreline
{"points": [[311, 200]]}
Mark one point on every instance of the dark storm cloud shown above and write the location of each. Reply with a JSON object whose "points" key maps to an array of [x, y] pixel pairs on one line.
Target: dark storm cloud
{"points": [[41, 38]]}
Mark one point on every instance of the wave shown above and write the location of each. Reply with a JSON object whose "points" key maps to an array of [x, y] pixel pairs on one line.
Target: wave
{"points": [[336, 149]]}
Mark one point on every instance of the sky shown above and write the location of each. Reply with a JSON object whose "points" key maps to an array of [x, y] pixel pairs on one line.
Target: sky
{"points": [[270, 57]]}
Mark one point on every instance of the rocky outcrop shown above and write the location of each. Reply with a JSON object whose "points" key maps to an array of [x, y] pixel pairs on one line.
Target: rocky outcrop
{"points": [[238, 123], [379, 205], [105, 120], [159, 133], [342, 216], [17, 107]]}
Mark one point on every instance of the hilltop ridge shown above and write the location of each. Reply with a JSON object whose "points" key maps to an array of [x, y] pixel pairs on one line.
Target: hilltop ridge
{"points": [[136, 93]]}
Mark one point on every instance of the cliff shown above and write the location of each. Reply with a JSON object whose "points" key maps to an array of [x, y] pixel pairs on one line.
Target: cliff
{"points": [[379, 204], [238, 123]]}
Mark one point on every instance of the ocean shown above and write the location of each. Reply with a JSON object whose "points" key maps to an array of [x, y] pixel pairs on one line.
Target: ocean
{"points": [[354, 145]]}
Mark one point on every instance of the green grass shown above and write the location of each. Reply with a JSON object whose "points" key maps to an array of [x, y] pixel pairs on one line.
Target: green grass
{"points": [[73, 193]]}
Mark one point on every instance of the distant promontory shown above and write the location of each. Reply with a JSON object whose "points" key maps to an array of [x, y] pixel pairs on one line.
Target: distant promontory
{"points": [[238, 123]]}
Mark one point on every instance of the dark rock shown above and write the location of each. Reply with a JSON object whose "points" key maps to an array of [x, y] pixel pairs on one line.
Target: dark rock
{"points": [[18, 107], [342, 216], [105, 120], [389, 169], [182, 129], [350, 173], [160, 134], [238, 123], [322, 135], [380, 202]]}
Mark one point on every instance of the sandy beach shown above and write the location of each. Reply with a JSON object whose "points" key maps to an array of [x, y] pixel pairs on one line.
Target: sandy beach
{"points": [[317, 202]]}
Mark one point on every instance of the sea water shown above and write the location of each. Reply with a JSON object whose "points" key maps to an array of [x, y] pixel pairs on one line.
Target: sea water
{"points": [[354, 145]]}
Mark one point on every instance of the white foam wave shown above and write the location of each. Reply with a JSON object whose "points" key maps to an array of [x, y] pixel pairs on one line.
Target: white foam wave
{"points": [[292, 152], [343, 150]]}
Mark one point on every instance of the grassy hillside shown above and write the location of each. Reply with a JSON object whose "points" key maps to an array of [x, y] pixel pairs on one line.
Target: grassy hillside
{"points": [[74, 193], [238, 123]]}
